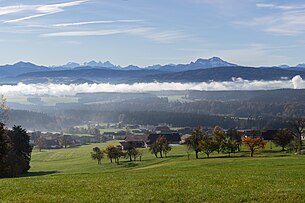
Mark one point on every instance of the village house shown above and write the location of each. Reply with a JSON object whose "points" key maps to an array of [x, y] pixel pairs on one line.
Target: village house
{"points": [[172, 138], [136, 140]]}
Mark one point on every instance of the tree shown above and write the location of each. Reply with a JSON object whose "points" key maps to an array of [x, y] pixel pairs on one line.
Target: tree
{"points": [[65, 140], [219, 137], [293, 145], [236, 136], [229, 146], [154, 149], [298, 128], [160, 146], [118, 153], [21, 147], [15, 151], [135, 154], [254, 143], [130, 150], [140, 154], [40, 143], [4, 148], [97, 154], [166, 149], [188, 150], [114, 153], [194, 140], [208, 145], [283, 138], [110, 151], [163, 146]]}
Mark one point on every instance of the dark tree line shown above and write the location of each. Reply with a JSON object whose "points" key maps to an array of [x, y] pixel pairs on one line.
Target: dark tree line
{"points": [[15, 151]]}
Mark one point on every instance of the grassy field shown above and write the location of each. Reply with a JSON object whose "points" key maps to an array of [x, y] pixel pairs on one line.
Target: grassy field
{"points": [[69, 175]]}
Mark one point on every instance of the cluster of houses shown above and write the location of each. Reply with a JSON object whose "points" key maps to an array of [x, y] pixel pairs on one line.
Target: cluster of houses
{"points": [[139, 137], [143, 140], [54, 140]]}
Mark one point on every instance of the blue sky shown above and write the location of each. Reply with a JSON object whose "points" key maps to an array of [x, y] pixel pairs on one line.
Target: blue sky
{"points": [[146, 32]]}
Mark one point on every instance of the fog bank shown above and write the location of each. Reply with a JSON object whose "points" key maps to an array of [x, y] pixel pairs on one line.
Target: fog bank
{"points": [[62, 89]]}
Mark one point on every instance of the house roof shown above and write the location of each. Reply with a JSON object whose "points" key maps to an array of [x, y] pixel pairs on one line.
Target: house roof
{"points": [[134, 138], [51, 143], [136, 144], [171, 137], [269, 134], [162, 129]]}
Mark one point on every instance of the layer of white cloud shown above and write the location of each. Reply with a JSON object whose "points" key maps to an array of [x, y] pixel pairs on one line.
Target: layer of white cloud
{"points": [[62, 89]]}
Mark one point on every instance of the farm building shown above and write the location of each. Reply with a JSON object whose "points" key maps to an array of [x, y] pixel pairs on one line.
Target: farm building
{"points": [[172, 138], [137, 141]]}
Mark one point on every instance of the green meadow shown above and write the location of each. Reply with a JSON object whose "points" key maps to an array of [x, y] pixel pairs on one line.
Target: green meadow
{"points": [[69, 175]]}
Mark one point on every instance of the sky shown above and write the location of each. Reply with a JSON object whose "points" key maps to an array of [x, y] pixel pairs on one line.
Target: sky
{"points": [[146, 32]]}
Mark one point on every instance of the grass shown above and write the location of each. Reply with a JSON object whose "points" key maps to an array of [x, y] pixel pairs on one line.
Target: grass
{"points": [[69, 175]]}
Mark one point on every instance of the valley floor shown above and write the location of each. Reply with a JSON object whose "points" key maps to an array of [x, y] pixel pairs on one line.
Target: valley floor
{"points": [[69, 175]]}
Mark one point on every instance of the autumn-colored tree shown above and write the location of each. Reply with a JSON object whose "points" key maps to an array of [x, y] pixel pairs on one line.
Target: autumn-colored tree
{"points": [[254, 144], [194, 140], [283, 138]]}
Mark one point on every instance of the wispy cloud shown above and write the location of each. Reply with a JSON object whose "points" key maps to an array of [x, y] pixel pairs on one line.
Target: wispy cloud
{"points": [[96, 22], [145, 32], [287, 19], [93, 33], [38, 10], [15, 9], [265, 5], [281, 7]]}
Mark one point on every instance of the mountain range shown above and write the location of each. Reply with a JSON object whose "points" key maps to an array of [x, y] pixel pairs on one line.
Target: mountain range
{"points": [[201, 70]]}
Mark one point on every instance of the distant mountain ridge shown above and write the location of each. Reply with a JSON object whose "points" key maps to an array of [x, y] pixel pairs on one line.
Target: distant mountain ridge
{"points": [[198, 64], [20, 68], [201, 70], [143, 76]]}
